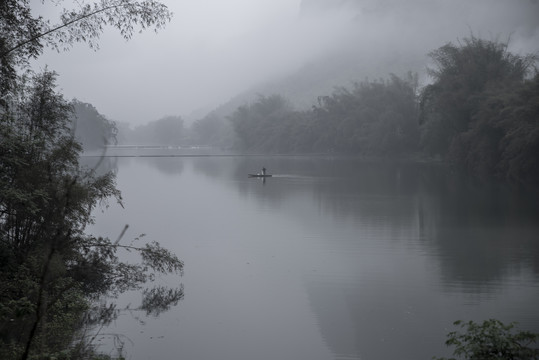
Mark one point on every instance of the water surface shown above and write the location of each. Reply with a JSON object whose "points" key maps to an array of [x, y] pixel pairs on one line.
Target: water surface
{"points": [[330, 258]]}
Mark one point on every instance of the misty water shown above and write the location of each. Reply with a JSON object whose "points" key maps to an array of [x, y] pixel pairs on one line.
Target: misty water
{"points": [[331, 258]]}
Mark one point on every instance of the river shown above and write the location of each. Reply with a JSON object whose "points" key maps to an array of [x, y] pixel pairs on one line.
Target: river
{"points": [[331, 258]]}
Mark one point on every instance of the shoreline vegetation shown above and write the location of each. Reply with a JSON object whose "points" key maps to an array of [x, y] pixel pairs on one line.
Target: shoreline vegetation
{"points": [[167, 152], [479, 114]]}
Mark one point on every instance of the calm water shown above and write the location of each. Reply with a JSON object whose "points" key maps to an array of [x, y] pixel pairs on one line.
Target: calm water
{"points": [[329, 259]]}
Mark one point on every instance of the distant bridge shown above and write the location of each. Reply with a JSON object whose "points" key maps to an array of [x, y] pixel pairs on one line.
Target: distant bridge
{"points": [[159, 147], [145, 150]]}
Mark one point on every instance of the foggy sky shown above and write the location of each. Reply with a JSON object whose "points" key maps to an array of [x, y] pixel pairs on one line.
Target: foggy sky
{"points": [[214, 49]]}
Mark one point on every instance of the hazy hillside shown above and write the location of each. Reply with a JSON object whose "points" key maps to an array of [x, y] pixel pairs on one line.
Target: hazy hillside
{"points": [[369, 39]]}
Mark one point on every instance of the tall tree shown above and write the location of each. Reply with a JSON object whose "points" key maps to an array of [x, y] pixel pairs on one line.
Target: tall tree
{"points": [[92, 129], [50, 268], [480, 112], [505, 137], [212, 130], [168, 130], [373, 118], [260, 124], [461, 74]]}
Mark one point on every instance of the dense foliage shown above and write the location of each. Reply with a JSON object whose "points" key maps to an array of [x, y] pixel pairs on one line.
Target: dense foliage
{"points": [[52, 272], [479, 114], [91, 128], [265, 126], [168, 130], [50, 269], [374, 118], [212, 130], [514, 112], [492, 340], [481, 111]]}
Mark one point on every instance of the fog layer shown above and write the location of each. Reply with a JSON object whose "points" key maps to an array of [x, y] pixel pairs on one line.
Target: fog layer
{"points": [[213, 50]]}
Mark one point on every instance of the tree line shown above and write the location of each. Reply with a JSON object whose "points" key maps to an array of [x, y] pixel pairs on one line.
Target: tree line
{"points": [[479, 114], [372, 118], [168, 130]]}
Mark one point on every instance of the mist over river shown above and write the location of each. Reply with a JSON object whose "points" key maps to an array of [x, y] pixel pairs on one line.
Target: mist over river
{"points": [[331, 258]]}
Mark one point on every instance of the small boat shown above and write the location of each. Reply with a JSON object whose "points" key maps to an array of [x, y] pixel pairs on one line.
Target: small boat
{"points": [[259, 175]]}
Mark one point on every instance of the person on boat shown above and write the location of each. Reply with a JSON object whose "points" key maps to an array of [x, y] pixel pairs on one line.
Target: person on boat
{"points": [[263, 171]]}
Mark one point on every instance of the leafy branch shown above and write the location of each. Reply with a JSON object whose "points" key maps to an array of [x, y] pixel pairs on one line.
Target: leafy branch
{"points": [[492, 340], [83, 25]]}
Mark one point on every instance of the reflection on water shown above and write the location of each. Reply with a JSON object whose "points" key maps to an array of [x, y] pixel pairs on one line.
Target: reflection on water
{"points": [[330, 258]]}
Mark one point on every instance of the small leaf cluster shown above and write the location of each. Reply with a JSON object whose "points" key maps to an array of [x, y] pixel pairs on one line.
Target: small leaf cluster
{"points": [[492, 340]]}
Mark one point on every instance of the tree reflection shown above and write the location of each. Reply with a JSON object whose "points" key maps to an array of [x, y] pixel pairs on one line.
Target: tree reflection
{"points": [[481, 232], [103, 312], [165, 165]]}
